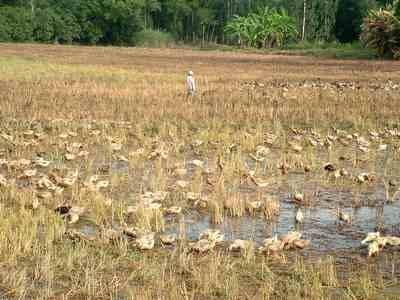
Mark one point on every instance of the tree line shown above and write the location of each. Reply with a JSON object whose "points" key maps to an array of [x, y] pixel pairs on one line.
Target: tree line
{"points": [[122, 22]]}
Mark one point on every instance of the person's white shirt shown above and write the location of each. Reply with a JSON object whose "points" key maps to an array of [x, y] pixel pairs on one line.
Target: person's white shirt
{"points": [[191, 85]]}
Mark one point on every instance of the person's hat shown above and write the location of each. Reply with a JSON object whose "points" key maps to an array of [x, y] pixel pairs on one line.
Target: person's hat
{"points": [[190, 73]]}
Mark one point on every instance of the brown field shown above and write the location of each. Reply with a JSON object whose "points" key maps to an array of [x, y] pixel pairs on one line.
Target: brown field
{"points": [[102, 152]]}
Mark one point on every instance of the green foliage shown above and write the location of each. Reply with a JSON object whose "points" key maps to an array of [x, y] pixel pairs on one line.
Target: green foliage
{"points": [[66, 28], [268, 28], [397, 9], [150, 7], [381, 31], [237, 28], [15, 24], [384, 3], [349, 17], [321, 20], [332, 50], [152, 38], [4, 28], [45, 25], [89, 15], [123, 19], [145, 22]]}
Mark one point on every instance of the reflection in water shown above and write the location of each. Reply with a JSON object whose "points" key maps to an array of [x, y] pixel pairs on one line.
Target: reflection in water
{"points": [[368, 205], [320, 225]]}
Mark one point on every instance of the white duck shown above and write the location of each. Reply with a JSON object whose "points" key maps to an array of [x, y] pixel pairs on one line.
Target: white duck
{"points": [[299, 216]]}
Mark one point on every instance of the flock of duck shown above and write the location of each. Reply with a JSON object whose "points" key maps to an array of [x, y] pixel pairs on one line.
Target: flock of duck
{"points": [[333, 85], [49, 183]]}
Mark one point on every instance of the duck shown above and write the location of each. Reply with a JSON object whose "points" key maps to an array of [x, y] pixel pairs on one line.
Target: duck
{"points": [[203, 245], [373, 249], [290, 237], [299, 216], [145, 242], [74, 234], [181, 184], [343, 217], [254, 205], [276, 246], [239, 245], [329, 167], [301, 244], [212, 235], [196, 163], [393, 241], [71, 213], [269, 241], [191, 196], [180, 172], [299, 197], [371, 236], [130, 231], [41, 162], [273, 245], [376, 242], [112, 234], [168, 239], [381, 240], [174, 210], [28, 174], [68, 180], [295, 147], [3, 180]]}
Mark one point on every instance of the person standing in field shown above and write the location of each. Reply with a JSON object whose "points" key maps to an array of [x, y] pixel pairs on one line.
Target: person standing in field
{"points": [[191, 84]]}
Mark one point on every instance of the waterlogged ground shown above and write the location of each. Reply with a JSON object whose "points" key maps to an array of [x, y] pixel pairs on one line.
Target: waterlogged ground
{"points": [[320, 226], [100, 149], [364, 183], [367, 205]]}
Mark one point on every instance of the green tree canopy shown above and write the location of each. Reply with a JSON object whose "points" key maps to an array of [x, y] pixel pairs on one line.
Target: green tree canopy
{"points": [[349, 17], [119, 21]]}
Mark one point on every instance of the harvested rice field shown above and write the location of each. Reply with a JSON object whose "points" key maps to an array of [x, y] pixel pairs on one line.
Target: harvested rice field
{"points": [[279, 179]]}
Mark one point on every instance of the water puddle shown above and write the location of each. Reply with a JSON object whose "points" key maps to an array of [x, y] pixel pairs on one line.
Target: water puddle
{"points": [[320, 225]]}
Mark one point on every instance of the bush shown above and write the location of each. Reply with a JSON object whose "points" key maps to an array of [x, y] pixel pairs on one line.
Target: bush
{"points": [[381, 31], [16, 24], [307, 45], [397, 9], [268, 28], [349, 17], [152, 38], [66, 28], [332, 50], [91, 33], [4, 28], [44, 25]]}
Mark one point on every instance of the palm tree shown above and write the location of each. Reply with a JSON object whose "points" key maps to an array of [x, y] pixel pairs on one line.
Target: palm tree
{"points": [[381, 31]]}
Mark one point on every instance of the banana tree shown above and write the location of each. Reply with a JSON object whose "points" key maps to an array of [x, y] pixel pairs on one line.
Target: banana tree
{"points": [[266, 28], [236, 28], [283, 27], [252, 30]]}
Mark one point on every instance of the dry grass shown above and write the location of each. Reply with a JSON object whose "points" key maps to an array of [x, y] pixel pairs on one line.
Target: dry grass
{"points": [[140, 84], [103, 98]]}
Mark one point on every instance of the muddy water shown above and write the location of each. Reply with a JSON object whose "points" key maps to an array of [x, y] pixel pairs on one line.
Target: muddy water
{"points": [[320, 225], [372, 213], [367, 204]]}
